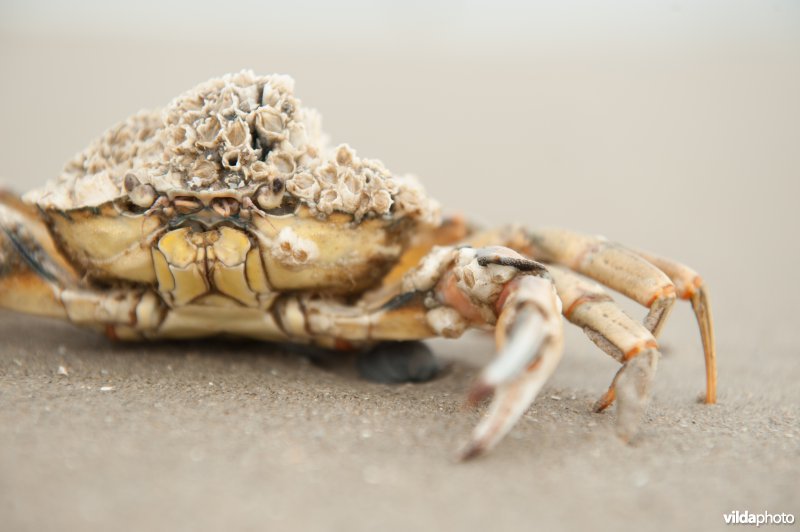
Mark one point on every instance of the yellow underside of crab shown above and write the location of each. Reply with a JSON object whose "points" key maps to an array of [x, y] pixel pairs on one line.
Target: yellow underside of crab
{"points": [[222, 280]]}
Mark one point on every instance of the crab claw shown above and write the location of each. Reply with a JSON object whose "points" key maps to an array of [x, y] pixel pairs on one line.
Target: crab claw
{"points": [[525, 339], [528, 333]]}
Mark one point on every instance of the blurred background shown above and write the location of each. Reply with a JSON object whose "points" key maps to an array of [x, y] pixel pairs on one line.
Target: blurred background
{"points": [[668, 125]]}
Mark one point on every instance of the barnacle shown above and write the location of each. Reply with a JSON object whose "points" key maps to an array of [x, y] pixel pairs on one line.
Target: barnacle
{"points": [[291, 250], [236, 132]]}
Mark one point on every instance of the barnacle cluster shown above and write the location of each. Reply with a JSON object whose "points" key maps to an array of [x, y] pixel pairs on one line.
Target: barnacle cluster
{"points": [[238, 132]]}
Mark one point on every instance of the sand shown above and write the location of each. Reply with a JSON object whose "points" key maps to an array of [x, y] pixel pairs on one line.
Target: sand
{"points": [[217, 436], [692, 155]]}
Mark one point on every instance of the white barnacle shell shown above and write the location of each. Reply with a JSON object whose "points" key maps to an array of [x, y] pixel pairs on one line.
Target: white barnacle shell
{"points": [[304, 186], [328, 175], [350, 191], [236, 135], [282, 163], [260, 171], [269, 124], [344, 155], [312, 126], [204, 171], [329, 201], [95, 189], [228, 102], [183, 137], [275, 90], [96, 175], [232, 159], [381, 202], [207, 132], [412, 201], [96, 164], [298, 137], [290, 249]]}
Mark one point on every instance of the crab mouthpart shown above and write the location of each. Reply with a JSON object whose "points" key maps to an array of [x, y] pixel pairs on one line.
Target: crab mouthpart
{"points": [[206, 220]]}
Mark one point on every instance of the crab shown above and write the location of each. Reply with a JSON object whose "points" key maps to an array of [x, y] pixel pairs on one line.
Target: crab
{"points": [[227, 214]]}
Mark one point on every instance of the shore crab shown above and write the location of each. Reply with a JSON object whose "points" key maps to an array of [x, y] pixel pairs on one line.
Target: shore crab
{"points": [[227, 214]]}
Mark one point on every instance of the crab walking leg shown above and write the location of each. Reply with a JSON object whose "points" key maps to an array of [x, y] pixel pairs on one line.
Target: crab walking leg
{"points": [[690, 286], [626, 340], [588, 306], [32, 272], [605, 262], [610, 264], [35, 279], [530, 343], [652, 281], [416, 311], [334, 324], [450, 290]]}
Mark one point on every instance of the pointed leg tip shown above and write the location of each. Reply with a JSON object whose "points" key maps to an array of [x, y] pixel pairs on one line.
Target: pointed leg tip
{"points": [[629, 419], [599, 407], [471, 451], [624, 436], [605, 401], [627, 429], [480, 391]]}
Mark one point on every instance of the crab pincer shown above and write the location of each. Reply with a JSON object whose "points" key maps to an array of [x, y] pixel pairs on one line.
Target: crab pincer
{"points": [[497, 286]]}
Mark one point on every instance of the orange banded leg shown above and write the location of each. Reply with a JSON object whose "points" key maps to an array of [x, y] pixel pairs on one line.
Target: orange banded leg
{"points": [[650, 280], [588, 306], [610, 264], [690, 286], [607, 263]]}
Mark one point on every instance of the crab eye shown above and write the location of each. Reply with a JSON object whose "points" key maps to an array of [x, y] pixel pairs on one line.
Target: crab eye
{"points": [[142, 196], [186, 205]]}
